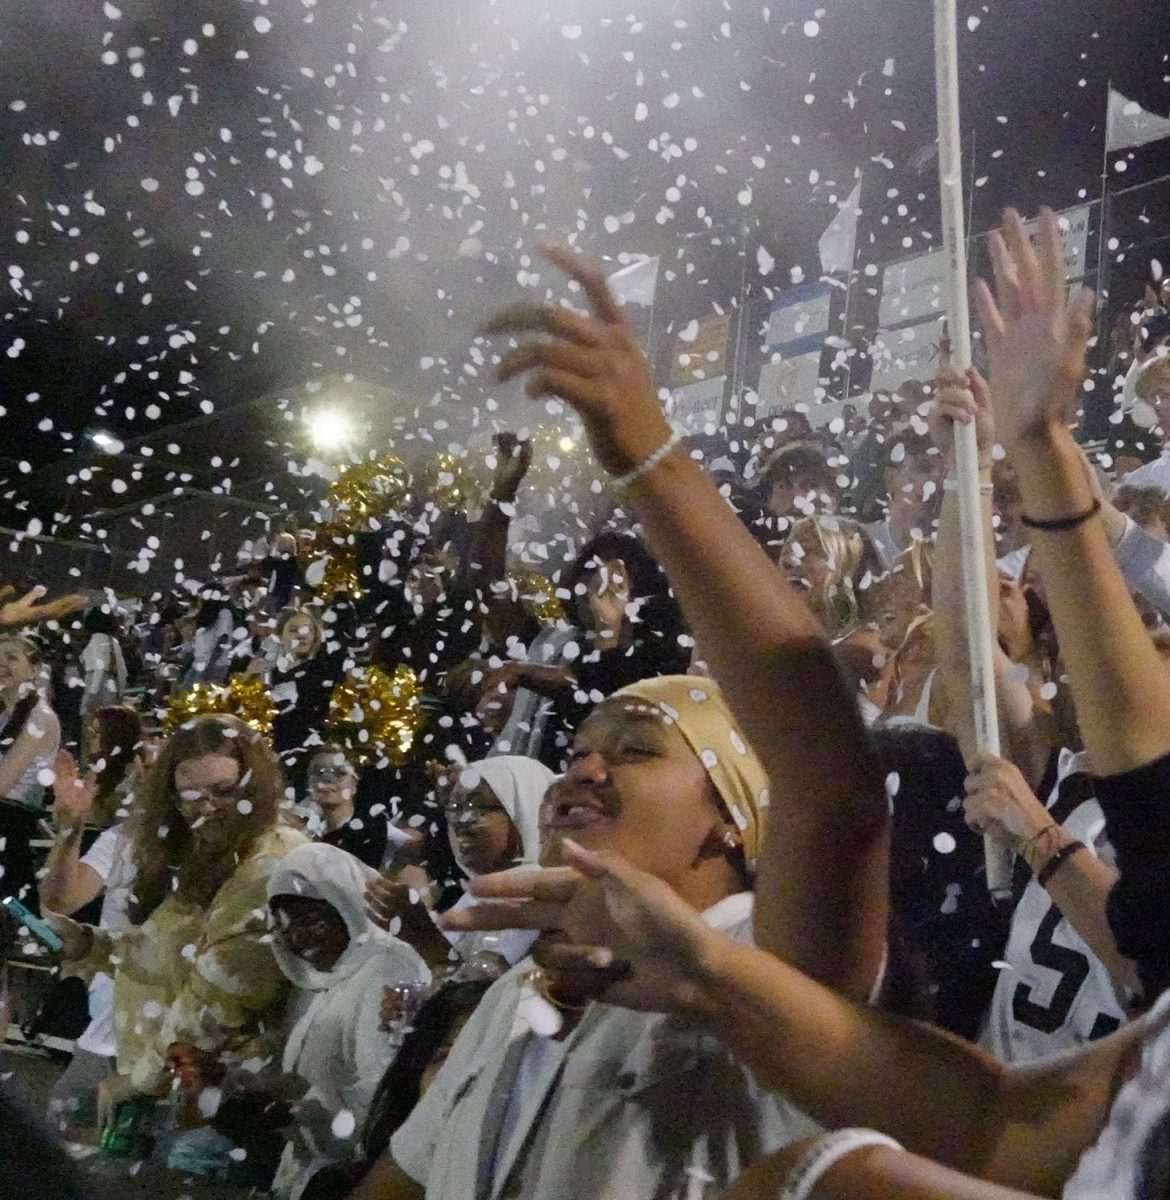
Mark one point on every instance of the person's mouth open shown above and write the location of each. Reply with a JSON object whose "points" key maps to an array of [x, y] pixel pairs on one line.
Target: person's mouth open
{"points": [[576, 810]]}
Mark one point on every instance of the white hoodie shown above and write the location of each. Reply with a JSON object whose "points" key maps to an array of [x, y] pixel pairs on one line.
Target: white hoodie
{"points": [[336, 1046]]}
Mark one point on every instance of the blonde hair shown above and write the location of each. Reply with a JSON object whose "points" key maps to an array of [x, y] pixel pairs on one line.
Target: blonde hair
{"points": [[853, 564], [1154, 373]]}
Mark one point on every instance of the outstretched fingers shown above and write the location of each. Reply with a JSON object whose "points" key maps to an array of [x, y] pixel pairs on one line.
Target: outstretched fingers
{"points": [[550, 356], [543, 318], [592, 280], [1031, 278], [504, 914], [526, 883], [990, 315]]}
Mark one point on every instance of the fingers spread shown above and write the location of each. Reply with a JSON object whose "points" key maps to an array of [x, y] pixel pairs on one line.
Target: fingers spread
{"points": [[1052, 258], [1027, 266], [544, 318], [990, 316], [520, 914], [559, 356], [527, 883], [591, 279], [579, 392], [1007, 282]]}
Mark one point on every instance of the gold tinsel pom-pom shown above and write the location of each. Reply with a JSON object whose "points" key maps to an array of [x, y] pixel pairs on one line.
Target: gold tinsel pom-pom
{"points": [[368, 491], [372, 713], [446, 481], [244, 697], [537, 595]]}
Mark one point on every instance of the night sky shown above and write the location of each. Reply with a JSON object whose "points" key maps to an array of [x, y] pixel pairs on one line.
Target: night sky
{"points": [[208, 202]]}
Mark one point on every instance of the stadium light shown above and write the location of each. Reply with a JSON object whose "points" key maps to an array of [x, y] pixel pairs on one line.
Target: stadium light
{"points": [[330, 428]]}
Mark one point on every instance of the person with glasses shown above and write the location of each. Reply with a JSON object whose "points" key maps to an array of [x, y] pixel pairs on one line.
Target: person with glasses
{"points": [[492, 810], [333, 789], [195, 966]]}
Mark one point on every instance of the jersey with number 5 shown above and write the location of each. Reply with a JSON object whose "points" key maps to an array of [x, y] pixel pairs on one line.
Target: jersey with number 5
{"points": [[1052, 992]]}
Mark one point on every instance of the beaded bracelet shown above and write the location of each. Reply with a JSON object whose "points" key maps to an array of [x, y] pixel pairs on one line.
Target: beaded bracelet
{"points": [[824, 1154], [647, 465]]}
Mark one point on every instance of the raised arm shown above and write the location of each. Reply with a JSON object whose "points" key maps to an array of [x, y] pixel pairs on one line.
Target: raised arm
{"points": [[821, 894], [68, 883], [1036, 338], [966, 399], [489, 544]]}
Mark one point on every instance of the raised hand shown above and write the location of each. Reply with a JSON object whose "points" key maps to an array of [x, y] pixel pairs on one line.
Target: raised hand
{"points": [[73, 795], [1036, 333], [26, 610], [611, 931], [592, 362], [513, 458], [962, 399]]}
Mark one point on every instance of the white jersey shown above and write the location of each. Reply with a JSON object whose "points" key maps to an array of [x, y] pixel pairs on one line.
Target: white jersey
{"points": [[1053, 992], [1131, 1158]]}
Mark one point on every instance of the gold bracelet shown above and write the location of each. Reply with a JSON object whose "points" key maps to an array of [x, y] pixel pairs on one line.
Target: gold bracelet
{"points": [[1038, 848], [543, 988]]}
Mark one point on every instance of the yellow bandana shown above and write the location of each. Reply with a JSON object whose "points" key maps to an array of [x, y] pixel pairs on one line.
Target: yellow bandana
{"points": [[695, 706]]}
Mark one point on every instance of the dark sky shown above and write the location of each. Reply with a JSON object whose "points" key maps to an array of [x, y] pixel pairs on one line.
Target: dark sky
{"points": [[206, 201]]}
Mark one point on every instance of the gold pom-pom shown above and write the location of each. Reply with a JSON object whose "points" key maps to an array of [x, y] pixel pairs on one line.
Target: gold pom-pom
{"points": [[537, 595], [369, 490], [335, 545], [372, 713], [244, 697], [446, 481]]}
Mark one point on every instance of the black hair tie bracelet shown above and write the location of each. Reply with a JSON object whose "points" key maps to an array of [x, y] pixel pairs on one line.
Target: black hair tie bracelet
{"points": [[1062, 523]]}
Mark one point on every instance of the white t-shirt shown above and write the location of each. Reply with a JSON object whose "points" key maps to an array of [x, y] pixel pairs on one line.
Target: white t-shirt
{"points": [[632, 1104], [1130, 1160], [1054, 993], [109, 858], [510, 944], [1153, 474]]}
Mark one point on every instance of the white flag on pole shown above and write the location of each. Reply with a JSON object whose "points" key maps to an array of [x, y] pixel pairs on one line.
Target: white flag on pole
{"points": [[636, 283], [1130, 125], [839, 241]]}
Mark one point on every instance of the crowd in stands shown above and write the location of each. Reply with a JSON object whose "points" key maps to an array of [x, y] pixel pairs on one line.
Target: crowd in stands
{"points": [[675, 884]]}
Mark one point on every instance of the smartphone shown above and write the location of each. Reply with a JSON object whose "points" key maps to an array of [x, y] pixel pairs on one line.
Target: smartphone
{"points": [[38, 928]]}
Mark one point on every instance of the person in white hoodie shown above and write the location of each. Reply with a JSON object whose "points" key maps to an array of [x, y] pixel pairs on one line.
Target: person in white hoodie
{"points": [[336, 1049]]}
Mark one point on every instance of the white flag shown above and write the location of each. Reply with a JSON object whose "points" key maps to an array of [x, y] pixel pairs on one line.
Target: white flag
{"points": [[1130, 125], [840, 239], [636, 283]]}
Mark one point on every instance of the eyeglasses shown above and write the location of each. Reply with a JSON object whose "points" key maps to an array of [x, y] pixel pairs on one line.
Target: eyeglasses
{"points": [[217, 796], [464, 809], [330, 774]]}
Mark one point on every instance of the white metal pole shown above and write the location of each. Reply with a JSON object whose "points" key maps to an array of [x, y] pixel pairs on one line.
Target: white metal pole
{"points": [[977, 605]]}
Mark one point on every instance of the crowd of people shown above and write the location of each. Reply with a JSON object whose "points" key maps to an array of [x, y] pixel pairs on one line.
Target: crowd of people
{"points": [[676, 885]]}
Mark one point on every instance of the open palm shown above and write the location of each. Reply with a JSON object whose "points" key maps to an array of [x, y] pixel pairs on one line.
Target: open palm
{"points": [[1036, 333]]}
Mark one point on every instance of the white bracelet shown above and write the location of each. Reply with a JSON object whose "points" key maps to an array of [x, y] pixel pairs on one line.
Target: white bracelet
{"points": [[951, 484], [648, 465], [825, 1153]]}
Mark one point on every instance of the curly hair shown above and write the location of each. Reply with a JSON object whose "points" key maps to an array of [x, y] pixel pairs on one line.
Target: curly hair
{"points": [[164, 851]]}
